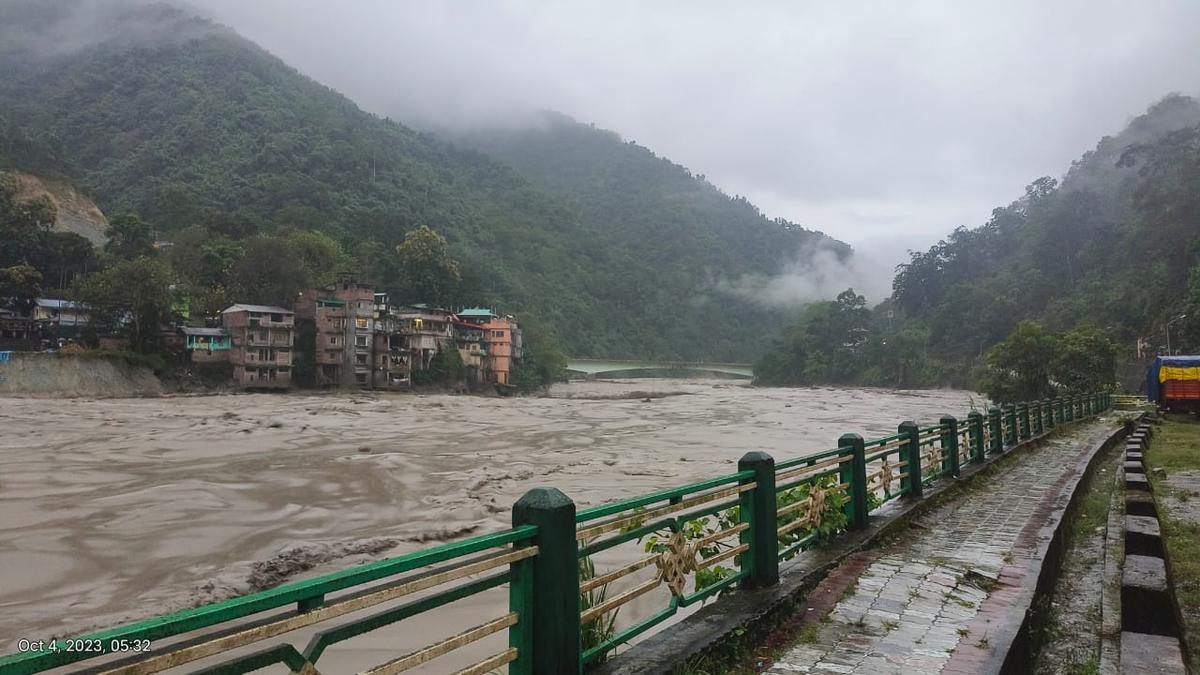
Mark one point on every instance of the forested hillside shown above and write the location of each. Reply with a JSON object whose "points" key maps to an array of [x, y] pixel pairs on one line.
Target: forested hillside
{"points": [[223, 148], [1113, 247]]}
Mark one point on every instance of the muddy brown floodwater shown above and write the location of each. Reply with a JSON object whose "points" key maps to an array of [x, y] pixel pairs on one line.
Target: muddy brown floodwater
{"points": [[118, 509]]}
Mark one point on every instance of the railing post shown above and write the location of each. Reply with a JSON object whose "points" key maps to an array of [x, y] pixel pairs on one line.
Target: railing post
{"points": [[912, 458], [1048, 405], [757, 507], [553, 616], [975, 427], [1035, 418], [1023, 425], [949, 424], [858, 479], [994, 429], [1010, 417]]}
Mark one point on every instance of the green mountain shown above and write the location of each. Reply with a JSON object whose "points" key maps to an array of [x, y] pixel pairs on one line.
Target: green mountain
{"points": [[212, 140], [1114, 245]]}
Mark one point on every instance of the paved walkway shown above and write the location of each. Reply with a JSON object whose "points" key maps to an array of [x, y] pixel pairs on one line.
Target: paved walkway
{"points": [[926, 604]]}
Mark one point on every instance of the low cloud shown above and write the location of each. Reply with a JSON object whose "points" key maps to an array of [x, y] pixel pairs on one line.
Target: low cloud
{"points": [[817, 272]]}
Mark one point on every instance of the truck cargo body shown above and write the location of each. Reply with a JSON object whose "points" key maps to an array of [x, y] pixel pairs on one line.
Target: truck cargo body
{"points": [[1173, 382]]}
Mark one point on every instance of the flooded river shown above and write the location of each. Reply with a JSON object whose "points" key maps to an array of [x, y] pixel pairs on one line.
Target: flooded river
{"points": [[112, 510]]}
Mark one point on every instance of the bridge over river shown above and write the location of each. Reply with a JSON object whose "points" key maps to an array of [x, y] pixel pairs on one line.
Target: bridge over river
{"points": [[594, 367]]}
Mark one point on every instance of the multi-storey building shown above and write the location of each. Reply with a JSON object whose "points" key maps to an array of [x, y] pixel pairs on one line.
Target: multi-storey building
{"points": [[468, 337], [262, 340], [337, 323], [392, 361], [499, 335], [426, 331]]}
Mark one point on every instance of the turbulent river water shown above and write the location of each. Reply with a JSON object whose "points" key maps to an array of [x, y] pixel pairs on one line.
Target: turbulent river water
{"points": [[118, 509]]}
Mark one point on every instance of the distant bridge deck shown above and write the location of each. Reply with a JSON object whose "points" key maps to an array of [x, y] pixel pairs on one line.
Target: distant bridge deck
{"points": [[592, 367]]}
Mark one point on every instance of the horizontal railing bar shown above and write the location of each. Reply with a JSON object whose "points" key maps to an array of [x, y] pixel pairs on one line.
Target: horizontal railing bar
{"points": [[618, 523], [885, 439], [631, 632], [609, 577], [807, 480], [811, 458], [236, 608], [591, 613], [244, 634], [444, 647], [617, 507], [797, 545], [717, 536], [712, 590], [782, 476], [722, 557], [490, 663]]}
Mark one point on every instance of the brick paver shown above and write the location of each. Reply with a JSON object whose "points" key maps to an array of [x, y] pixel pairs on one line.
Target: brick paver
{"points": [[927, 603]]}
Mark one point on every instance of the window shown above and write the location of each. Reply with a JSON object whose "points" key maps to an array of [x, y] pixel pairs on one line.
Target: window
{"points": [[333, 339], [361, 378], [278, 318], [360, 323], [360, 340], [360, 359], [264, 354], [497, 333]]}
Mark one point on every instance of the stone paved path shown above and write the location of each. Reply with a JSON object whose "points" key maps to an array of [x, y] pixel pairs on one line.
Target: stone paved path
{"points": [[926, 604]]}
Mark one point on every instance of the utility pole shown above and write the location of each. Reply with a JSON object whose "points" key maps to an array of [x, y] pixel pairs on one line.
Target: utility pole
{"points": [[1168, 329]]}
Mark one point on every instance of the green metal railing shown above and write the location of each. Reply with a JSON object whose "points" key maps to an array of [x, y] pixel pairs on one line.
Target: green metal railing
{"points": [[698, 541]]}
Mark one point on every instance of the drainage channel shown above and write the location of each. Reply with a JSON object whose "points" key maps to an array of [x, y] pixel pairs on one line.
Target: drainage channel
{"points": [[1150, 634]]}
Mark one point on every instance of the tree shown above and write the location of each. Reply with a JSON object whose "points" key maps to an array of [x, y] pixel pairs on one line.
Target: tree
{"points": [[129, 237], [23, 223], [427, 271], [132, 296], [542, 363], [20, 283], [1086, 361], [1021, 365]]}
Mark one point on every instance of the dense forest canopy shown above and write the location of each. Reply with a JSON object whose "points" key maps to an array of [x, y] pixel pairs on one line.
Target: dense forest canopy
{"points": [[224, 149], [1112, 250]]}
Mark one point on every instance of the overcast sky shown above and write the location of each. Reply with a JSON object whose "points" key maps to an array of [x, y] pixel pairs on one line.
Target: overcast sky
{"points": [[885, 124]]}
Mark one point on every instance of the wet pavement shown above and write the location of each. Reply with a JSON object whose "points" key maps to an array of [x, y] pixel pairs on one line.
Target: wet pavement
{"points": [[926, 604]]}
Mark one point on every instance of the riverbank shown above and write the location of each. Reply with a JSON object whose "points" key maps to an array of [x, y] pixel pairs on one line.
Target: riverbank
{"points": [[47, 375]]}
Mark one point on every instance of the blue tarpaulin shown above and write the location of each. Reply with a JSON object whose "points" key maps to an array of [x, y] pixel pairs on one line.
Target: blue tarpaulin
{"points": [[1153, 385]]}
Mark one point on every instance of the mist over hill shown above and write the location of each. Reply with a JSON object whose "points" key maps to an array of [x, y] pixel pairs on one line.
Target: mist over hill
{"points": [[1113, 247], [154, 112]]}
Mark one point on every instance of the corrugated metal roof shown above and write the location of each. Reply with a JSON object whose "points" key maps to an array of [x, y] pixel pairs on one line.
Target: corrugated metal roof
{"points": [[204, 332], [264, 309], [59, 304], [477, 312]]}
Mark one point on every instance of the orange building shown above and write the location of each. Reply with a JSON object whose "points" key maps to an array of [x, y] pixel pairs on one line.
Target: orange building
{"points": [[498, 338]]}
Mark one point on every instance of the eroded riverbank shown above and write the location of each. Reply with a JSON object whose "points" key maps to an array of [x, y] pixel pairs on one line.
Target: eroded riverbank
{"points": [[117, 509]]}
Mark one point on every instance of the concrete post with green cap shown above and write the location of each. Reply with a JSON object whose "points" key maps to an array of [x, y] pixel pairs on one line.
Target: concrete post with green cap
{"points": [[554, 619], [949, 433], [975, 428], [857, 479], [911, 452], [757, 507], [994, 429]]}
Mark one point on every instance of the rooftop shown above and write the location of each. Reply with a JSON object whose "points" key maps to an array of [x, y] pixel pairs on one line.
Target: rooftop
{"points": [[204, 332], [262, 309], [477, 313], [58, 304]]}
